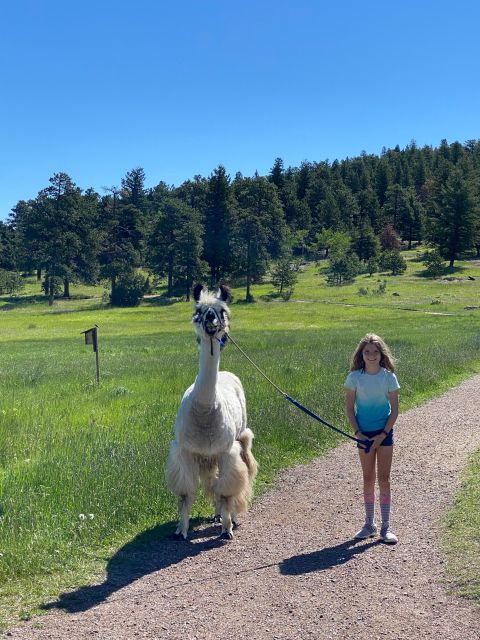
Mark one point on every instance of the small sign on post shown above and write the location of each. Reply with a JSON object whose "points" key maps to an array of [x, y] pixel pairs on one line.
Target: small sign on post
{"points": [[91, 337]]}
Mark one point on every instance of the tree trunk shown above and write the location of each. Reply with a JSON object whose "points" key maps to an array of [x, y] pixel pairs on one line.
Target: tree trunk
{"points": [[39, 274], [213, 274], [170, 278], [51, 292], [248, 296], [66, 288]]}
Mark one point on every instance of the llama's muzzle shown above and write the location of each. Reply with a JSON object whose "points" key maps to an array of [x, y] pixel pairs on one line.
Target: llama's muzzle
{"points": [[211, 323]]}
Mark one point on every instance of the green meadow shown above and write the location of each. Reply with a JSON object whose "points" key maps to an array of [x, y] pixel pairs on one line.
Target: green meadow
{"points": [[81, 465]]}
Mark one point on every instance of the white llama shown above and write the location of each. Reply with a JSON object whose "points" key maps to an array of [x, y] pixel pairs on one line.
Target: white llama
{"points": [[212, 442]]}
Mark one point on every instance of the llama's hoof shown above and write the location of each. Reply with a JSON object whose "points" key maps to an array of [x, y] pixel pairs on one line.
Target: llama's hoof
{"points": [[179, 537], [226, 535], [235, 524], [216, 519]]}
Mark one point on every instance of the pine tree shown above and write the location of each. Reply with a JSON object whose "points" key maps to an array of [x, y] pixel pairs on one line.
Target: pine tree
{"points": [[176, 244], [259, 227], [219, 218], [364, 243], [122, 238], [456, 213]]}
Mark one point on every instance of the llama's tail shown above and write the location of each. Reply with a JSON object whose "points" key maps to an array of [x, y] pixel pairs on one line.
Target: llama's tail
{"points": [[246, 439]]}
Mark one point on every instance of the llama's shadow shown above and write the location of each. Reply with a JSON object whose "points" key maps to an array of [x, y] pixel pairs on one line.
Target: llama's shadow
{"points": [[150, 551], [324, 558]]}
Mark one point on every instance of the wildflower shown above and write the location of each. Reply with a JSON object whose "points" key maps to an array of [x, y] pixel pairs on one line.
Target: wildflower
{"points": [[91, 516], [82, 516]]}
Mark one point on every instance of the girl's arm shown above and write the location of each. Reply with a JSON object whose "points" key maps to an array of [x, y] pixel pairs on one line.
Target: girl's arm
{"points": [[392, 418], [350, 408]]}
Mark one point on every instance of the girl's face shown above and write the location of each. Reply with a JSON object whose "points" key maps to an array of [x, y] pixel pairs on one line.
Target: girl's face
{"points": [[371, 356]]}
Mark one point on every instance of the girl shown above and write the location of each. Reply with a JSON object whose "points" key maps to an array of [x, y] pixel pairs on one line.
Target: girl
{"points": [[372, 409]]}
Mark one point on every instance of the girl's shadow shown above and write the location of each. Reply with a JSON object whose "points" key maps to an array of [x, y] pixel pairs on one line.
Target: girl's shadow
{"points": [[150, 551], [324, 558]]}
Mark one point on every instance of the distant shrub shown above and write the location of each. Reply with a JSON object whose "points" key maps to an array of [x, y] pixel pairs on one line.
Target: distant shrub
{"points": [[381, 289], [10, 282], [120, 391], [363, 291], [129, 290], [389, 239], [393, 261], [285, 276], [434, 263], [343, 269], [372, 265]]}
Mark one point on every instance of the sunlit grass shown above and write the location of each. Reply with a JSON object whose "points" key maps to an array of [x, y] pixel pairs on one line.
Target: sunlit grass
{"points": [[462, 539]]}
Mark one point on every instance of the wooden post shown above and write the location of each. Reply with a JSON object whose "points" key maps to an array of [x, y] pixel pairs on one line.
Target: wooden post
{"points": [[91, 337]]}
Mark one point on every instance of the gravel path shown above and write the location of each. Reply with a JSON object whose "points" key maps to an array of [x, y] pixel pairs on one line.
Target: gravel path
{"points": [[293, 571]]}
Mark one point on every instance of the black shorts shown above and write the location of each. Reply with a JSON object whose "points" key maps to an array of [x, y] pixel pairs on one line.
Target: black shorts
{"points": [[387, 442]]}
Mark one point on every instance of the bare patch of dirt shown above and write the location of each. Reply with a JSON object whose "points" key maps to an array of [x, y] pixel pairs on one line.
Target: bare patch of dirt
{"points": [[293, 571]]}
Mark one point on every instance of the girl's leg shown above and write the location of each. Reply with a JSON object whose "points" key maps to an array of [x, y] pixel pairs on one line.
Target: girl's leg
{"points": [[384, 465], [368, 470]]}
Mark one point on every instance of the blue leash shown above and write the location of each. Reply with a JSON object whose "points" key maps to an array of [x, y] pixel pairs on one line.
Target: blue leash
{"points": [[364, 444]]}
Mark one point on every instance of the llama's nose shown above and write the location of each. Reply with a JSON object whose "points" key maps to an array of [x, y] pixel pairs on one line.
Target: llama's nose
{"points": [[210, 315]]}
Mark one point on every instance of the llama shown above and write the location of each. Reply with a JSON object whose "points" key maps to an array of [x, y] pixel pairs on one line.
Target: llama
{"points": [[212, 442]]}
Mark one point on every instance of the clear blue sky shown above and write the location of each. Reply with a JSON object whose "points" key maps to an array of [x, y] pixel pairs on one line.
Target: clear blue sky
{"points": [[178, 87]]}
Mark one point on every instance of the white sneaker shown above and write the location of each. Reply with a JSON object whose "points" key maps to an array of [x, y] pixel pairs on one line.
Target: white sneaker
{"points": [[367, 531], [388, 536]]}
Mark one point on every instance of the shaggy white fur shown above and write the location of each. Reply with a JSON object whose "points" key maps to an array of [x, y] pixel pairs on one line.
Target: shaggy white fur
{"points": [[212, 442]]}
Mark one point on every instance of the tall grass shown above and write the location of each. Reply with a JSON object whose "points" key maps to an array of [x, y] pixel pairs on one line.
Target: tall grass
{"points": [[462, 537], [81, 466]]}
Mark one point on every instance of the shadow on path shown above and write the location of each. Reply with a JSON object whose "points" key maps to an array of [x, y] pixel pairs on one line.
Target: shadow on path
{"points": [[148, 552], [324, 558]]}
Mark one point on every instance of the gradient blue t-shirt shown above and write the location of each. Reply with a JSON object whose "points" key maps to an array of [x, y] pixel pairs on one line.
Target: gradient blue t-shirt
{"points": [[372, 404]]}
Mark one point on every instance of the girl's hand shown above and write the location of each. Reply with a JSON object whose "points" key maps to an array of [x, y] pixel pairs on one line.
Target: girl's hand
{"points": [[377, 440]]}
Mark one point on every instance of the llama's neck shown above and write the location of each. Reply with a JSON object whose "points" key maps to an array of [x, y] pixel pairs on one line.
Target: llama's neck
{"points": [[204, 389]]}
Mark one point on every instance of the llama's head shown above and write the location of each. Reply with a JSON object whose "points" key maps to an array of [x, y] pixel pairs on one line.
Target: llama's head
{"points": [[211, 313]]}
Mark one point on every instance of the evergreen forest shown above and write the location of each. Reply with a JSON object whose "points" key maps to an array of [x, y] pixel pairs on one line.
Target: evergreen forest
{"points": [[359, 212]]}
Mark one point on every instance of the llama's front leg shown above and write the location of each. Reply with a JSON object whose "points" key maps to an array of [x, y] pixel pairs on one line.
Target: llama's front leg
{"points": [[182, 478], [184, 506], [217, 518]]}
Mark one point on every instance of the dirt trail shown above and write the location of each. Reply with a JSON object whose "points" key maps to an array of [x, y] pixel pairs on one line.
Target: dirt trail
{"points": [[293, 571]]}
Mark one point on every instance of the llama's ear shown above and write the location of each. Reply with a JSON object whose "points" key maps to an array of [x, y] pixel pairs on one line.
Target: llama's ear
{"points": [[224, 293], [197, 290]]}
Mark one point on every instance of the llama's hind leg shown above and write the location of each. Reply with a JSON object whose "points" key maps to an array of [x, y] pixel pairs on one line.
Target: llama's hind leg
{"points": [[181, 475], [208, 477], [232, 488], [226, 505]]}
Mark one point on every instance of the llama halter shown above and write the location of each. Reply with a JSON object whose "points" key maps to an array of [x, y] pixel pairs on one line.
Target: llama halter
{"points": [[212, 323]]}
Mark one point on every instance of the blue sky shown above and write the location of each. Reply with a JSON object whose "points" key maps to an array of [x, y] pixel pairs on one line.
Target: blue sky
{"points": [[95, 89]]}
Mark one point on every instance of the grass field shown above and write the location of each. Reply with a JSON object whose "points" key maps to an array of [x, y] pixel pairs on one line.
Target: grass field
{"points": [[81, 466]]}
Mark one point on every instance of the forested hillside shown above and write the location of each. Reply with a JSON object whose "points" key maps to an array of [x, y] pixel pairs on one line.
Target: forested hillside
{"points": [[356, 211]]}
